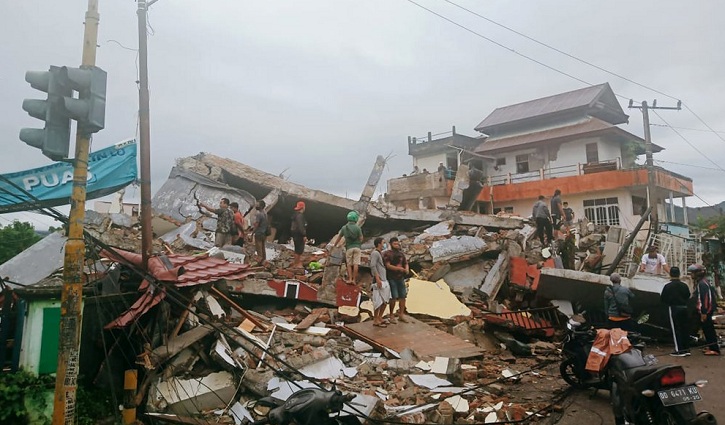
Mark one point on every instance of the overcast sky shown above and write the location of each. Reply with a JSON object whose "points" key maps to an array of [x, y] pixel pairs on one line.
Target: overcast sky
{"points": [[319, 88]]}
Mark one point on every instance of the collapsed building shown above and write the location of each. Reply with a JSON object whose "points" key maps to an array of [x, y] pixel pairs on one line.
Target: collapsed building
{"points": [[209, 332]]}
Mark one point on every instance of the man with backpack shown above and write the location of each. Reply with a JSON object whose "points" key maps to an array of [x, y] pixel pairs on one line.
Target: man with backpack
{"points": [[617, 305]]}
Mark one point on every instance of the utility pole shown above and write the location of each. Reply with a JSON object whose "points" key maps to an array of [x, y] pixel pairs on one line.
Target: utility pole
{"points": [[144, 131], [71, 298], [651, 184]]}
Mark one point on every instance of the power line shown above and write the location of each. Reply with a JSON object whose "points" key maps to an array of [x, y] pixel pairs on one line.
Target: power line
{"points": [[490, 40], [569, 55], [689, 165], [687, 141], [585, 62], [686, 128]]}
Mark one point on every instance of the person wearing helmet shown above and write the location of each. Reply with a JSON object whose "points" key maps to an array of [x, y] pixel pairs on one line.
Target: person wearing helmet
{"points": [[353, 240], [705, 296]]}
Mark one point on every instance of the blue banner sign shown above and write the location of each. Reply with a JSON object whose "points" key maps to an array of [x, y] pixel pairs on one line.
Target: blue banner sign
{"points": [[109, 170]]}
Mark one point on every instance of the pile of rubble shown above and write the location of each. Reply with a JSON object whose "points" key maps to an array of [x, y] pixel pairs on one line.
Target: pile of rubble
{"points": [[225, 347]]}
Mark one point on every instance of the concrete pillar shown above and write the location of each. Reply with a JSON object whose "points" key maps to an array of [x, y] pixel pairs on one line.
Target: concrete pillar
{"points": [[684, 211], [672, 207]]}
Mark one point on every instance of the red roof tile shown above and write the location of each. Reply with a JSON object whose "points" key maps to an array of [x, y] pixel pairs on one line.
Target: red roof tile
{"points": [[187, 271]]}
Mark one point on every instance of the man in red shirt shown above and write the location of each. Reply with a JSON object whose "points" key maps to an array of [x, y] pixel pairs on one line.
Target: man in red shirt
{"points": [[238, 237]]}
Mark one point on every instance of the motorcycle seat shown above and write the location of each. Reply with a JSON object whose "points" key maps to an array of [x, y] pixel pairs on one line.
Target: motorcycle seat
{"points": [[640, 372]]}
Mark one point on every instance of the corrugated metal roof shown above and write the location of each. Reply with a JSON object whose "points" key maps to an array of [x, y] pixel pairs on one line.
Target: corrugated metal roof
{"points": [[580, 129], [581, 98]]}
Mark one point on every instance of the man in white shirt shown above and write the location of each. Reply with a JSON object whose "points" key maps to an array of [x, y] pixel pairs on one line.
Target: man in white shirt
{"points": [[654, 263]]}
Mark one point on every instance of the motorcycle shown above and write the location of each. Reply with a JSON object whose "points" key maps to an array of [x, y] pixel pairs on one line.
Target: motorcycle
{"points": [[641, 391], [577, 345], [652, 394], [310, 406]]}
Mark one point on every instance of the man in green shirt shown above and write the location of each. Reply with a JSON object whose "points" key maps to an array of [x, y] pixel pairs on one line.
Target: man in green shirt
{"points": [[353, 239]]}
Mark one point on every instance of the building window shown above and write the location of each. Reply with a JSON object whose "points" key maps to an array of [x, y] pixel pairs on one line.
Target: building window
{"points": [[507, 210], [522, 163], [602, 211], [639, 205], [592, 153], [501, 161]]}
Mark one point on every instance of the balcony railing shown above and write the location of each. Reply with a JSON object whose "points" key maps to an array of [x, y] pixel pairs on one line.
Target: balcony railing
{"points": [[554, 172]]}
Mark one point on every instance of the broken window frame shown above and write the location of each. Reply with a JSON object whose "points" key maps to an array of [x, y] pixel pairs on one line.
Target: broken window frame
{"points": [[602, 211]]}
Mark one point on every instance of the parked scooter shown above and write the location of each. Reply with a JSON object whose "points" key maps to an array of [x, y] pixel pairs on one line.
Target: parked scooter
{"points": [[642, 392], [310, 406], [653, 394], [577, 345]]}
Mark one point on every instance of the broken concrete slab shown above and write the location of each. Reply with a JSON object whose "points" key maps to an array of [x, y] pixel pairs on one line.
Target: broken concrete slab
{"points": [[181, 396], [496, 276], [587, 290], [176, 345], [467, 275], [457, 248]]}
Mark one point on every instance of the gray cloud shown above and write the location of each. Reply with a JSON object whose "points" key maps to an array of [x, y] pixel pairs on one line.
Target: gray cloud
{"points": [[322, 87]]}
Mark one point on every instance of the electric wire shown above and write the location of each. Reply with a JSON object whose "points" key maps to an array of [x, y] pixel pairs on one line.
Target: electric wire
{"points": [[687, 165], [687, 141], [490, 40], [588, 63], [683, 128]]}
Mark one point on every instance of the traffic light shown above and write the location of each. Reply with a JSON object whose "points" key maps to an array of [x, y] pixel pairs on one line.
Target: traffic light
{"points": [[60, 107], [89, 109], [54, 139]]}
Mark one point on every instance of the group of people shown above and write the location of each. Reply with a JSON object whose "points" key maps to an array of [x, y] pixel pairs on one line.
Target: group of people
{"points": [[676, 296], [441, 169], [231, 227], [388, 266], [549, 220]]}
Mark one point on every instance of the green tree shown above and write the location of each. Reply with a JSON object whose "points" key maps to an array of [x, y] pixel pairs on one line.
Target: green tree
{"points": [[16, 238]]}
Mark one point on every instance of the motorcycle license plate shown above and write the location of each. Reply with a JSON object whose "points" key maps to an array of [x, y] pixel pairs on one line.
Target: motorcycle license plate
{"points": [[680, 395]]}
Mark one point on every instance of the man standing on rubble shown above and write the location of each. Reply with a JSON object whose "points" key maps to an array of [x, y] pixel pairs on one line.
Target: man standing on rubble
{"points": [[541, 215], [299, 233], [224, 222], [353, 240], [239, 225], [557, 209], [260, 229], [675, 295], [397, 270], [380, 285]]}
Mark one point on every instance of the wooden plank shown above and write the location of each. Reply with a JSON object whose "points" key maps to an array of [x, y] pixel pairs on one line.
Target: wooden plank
{"points": [[426, 341], [310, 319]]}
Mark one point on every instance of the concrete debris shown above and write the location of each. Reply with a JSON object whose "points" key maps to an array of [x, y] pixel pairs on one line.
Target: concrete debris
{"points": [[271, 328]]}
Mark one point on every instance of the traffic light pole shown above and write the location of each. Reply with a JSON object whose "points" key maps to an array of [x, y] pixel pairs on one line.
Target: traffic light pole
{"points": [[71, 299]]}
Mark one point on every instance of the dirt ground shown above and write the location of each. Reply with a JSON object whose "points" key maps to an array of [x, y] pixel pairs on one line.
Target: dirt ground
{"points": [[587, 407]]}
